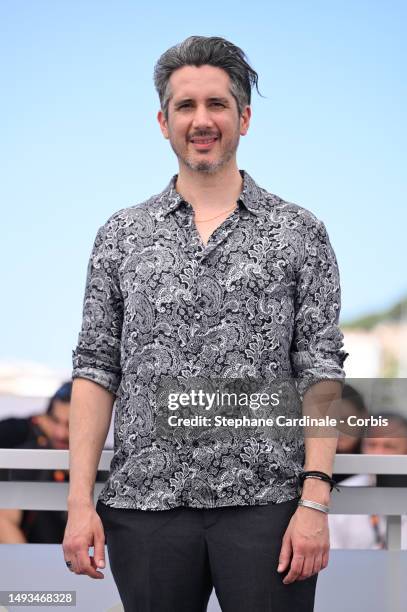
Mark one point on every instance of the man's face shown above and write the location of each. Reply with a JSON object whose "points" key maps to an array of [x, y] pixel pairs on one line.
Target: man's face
{"points": [[389, 444], [59, 433], [204, 126]]}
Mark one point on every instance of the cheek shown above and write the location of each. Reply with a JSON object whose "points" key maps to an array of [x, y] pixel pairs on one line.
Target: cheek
{"points": [[398, 449], [369, 449], [179, 128]]}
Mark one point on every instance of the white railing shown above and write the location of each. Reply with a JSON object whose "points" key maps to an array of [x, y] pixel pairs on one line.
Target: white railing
{"points": [[387, 501]]}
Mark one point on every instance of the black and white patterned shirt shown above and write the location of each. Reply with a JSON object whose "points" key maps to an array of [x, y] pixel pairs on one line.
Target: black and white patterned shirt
{"points": [[261, 299]]}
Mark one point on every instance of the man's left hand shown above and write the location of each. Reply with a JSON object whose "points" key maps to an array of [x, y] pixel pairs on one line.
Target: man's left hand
{"points": [[305, 546]]}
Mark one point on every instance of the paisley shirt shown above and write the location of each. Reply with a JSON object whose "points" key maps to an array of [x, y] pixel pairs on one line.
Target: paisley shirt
{"points": [[261, 299]]}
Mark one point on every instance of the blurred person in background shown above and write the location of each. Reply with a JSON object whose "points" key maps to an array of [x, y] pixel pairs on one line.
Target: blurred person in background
{"points": [[361, 530], [48, 430], [350, 438], [42, 526]]}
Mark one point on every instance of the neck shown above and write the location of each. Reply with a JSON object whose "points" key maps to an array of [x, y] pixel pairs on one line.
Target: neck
{"points": [[210, 193]]}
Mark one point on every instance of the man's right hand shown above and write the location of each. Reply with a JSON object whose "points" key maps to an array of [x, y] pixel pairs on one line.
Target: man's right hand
{"points": [[45, 424], [84, 529]]}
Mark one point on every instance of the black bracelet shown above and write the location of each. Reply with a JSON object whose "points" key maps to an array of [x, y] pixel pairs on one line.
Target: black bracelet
{"points": [[319, 476]]}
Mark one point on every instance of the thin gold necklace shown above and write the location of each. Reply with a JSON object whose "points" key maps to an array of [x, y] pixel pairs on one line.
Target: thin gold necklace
{"points": [[216, 216]]}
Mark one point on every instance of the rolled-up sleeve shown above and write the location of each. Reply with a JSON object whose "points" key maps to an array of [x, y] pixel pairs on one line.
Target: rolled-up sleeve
{"points": [[316, 350], [97, 353]]}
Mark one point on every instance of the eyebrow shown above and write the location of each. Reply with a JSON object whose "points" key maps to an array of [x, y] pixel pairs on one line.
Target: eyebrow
{"points": [[211, 99]]}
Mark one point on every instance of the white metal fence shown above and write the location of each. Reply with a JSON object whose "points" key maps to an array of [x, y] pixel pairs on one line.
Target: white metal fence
{"points": [[386, 501]]}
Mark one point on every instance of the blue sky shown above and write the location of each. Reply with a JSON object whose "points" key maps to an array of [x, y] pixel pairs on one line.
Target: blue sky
{"points": [[80, 140]]}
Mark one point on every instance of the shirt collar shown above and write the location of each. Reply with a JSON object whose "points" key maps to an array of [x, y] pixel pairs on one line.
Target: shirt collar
{"points": [[252, 196]]}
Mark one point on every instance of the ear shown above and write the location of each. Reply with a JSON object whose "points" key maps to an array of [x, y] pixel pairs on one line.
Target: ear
{"points": [[163, 123], [245, 120]]}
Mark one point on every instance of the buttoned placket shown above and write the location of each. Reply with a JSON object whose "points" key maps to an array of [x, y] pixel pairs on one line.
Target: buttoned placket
{"points": [[198, 251]]}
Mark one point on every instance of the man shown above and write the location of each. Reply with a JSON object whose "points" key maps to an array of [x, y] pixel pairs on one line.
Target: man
{"points": [[352, 405], [52, 431], [350, 437], [361, 530], [39, 428], [212, 277]]}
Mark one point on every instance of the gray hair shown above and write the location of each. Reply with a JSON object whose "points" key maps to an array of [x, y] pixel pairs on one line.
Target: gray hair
{"points": [[202, 50]]}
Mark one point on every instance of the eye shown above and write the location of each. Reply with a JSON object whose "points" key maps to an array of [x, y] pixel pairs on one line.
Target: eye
{"points": [[187, 105]]}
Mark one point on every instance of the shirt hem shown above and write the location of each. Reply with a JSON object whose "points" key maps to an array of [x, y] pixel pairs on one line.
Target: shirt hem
{"points": [[123, 506]]}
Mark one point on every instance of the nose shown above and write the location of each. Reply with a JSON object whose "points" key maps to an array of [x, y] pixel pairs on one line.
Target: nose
{"points": [[202, 118]]}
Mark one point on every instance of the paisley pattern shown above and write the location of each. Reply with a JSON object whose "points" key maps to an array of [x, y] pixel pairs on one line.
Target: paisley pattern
{"points": [[261, 299]]}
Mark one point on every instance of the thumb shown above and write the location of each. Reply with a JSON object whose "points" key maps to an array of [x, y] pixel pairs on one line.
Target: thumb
{"points": [[99, 549], [285, 554]]}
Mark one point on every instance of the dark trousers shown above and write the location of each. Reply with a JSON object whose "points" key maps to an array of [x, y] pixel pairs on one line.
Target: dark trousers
{"points": [[169, 560]]}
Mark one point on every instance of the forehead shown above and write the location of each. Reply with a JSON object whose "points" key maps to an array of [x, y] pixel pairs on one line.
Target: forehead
{"points": [[378, 437], [61, 410], [396, 444], [394, 429], [199, 81]]}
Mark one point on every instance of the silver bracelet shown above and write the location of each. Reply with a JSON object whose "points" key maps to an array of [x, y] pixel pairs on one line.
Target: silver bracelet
{"points": [[315, 505]]}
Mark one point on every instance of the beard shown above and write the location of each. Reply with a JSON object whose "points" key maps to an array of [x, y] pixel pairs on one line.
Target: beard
{"points": [[205, 166]]}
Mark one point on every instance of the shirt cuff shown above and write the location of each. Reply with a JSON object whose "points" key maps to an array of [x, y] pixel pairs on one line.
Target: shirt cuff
{"points": [[107, 380]]}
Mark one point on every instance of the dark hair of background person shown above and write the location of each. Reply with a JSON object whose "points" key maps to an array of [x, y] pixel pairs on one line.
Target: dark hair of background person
{"points": [[393, 416], [350, 394], [63, 394], [212, 51]]}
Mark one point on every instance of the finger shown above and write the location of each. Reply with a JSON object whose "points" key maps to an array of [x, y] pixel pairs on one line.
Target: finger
{"points": [[74, 564], [95, 566], [285, 555], [317, 563], [70, 555], [307, 567], [71, 566], [85, 565], [295, 569], [99, 554], [325, 559]]}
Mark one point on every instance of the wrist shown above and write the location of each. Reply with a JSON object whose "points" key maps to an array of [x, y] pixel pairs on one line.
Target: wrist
{"points": [[80, 501], [317, 490]]}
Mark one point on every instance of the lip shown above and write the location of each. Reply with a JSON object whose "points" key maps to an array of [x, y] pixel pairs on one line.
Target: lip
{"points": [[203, 146], [61, 445]]}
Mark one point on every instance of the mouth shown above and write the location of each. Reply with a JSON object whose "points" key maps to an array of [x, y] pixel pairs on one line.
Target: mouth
{"points": [[203, 143], [61, 445]]}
